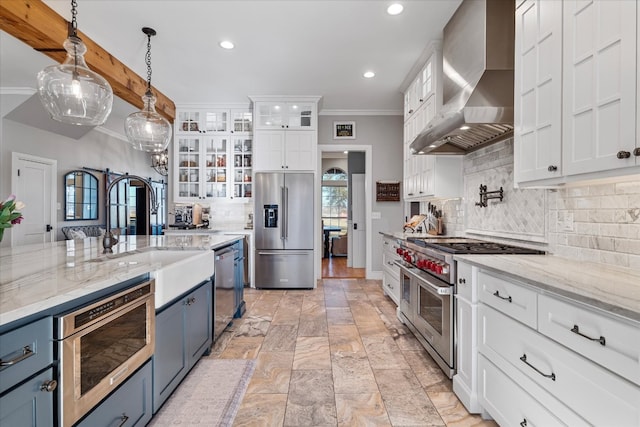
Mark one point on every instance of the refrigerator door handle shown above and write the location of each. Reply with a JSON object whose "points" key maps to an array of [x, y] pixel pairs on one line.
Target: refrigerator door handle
{"points": [[289, 252], [286, 211], [283, 214]]}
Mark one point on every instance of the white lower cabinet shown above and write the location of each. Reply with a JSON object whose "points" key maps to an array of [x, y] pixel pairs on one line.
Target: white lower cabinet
{"points": [[511, 405], [465, 380], [390, 271], [579, 390], [611, 343]]}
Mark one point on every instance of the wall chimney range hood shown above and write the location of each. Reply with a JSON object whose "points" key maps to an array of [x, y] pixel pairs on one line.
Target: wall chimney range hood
{"points": [[478, 50]]}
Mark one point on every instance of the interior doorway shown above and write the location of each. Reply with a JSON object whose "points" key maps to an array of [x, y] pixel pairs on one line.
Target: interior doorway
{"points": [[33, 181], [343, 224]]}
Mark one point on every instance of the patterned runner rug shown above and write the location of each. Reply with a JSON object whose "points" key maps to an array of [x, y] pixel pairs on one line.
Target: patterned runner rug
{"points": [[209, 396]]}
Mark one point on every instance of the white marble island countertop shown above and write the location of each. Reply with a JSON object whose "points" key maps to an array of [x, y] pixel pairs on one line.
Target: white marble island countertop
{"points": [[35, 278], [613, 289]]}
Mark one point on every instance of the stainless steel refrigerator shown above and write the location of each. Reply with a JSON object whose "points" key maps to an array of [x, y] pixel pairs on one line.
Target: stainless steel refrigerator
{"points": [[283, 229]]}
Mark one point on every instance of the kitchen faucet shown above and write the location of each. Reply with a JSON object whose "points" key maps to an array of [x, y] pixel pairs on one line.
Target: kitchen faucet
{"points": [[109, 239]]}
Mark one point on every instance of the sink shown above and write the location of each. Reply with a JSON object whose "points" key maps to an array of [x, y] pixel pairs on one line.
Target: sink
{"points": [[178, 270]]}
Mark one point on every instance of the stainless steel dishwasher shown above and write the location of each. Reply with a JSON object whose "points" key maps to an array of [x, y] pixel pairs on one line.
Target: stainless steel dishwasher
{"points": [[224, 296]]}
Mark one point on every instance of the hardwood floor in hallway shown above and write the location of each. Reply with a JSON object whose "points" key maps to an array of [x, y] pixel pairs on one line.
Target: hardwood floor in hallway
{"points": [[336, 267], [336, 356]]}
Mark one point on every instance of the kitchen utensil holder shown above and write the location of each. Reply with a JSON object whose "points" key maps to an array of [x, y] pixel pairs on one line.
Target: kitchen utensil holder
{"points": [[487, 195]]}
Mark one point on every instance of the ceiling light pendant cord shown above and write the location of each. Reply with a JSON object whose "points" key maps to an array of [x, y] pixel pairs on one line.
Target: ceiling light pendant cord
{"points": [[73, 32], [148, 61]]}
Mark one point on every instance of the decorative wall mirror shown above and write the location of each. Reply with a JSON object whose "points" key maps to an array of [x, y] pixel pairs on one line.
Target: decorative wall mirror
{"points": [[81, 196]]}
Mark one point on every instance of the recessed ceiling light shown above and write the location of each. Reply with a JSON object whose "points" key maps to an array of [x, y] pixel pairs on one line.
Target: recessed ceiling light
{"points": [[432, 146], [226, 44], [395, 9], [465, 127], [346, 152], [369, 74]]}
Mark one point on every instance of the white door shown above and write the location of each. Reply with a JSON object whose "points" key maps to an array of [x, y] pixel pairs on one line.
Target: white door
{"points": [[33, 182], [358, 230]]}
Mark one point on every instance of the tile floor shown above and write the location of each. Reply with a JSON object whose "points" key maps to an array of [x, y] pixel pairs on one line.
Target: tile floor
{"points": [[336, 356]]}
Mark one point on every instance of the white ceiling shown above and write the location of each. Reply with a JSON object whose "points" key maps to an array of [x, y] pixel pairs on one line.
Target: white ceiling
{"points": [[291, 47]]}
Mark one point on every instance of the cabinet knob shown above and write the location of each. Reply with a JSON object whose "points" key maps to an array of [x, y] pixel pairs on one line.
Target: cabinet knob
{"points": [[462, 281], [552, 168], [410, 111], [636, 152], [421, 100], [49, 386], [123, 420], [623, 154]]}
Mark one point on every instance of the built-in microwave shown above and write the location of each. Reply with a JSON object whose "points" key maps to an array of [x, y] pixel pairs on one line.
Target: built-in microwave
{"points": [[100, 345]]}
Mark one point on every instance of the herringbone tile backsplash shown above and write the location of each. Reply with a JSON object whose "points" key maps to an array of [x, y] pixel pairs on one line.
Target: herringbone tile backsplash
{"points": [[520, 215]]}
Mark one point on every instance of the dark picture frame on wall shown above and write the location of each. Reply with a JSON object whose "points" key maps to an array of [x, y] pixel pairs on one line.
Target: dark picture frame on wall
{"points": [[344, 130]]}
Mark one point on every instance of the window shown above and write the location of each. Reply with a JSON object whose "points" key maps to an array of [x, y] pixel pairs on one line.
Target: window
{"points": [[335, 199]]}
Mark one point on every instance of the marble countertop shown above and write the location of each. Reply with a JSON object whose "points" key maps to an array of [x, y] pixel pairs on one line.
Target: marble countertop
{"points": [[613, 289], [35, 278]]}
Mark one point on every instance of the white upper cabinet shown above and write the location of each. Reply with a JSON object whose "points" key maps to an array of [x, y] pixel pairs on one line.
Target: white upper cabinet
{"points": [[286, 115], [586, 127], [212, 154], [538, 90], [599, 87], [425, 175], [286, 133], [282, 150]]}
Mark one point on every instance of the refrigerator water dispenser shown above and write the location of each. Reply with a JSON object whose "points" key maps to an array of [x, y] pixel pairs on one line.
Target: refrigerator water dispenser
{"points": [[270, 216]]}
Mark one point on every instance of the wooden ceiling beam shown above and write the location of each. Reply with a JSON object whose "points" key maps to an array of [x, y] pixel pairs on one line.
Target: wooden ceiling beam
{"points": [[40, 27]]}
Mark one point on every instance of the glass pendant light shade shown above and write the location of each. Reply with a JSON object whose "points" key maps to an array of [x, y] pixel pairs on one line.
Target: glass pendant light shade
{"points": [[71, 92], [147, 130]]}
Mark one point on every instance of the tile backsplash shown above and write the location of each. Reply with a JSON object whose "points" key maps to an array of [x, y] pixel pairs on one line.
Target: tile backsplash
{"points": [[595, 222]]}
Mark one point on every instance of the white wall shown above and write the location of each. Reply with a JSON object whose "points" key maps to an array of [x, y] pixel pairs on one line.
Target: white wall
{"points": [[95, 150], [384, 135]]}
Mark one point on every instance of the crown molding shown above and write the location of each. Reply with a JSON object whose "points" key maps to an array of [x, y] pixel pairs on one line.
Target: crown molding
{"points": [[327, 112]]}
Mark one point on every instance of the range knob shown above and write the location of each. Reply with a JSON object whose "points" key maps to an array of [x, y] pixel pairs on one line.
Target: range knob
{"points": [[438, 268], [400, 251], [422, 263]]}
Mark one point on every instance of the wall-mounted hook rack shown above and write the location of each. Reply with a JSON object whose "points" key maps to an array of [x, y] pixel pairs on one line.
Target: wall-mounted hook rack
{"points": [[486, 195]]}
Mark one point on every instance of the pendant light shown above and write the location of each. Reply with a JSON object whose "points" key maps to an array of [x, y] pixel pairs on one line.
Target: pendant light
{"points": [[147, 130], [160, 162], [70, 91]]}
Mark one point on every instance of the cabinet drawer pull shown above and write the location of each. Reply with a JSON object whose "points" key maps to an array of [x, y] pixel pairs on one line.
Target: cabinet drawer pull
{"points": [[49, 386], [576, 331], [26, 352], [623, 154], [190, 301], [124, 418], [636, 152], [551, 375], [523, 423], [497, 294], [552, 168], [389, 285]]}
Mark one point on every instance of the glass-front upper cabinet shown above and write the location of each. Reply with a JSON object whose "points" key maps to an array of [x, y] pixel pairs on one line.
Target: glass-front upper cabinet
{"points": [[242, 166], [241, 120], [202, 121], [216, 166], [285, 115], [188, 166], [213, 153]]}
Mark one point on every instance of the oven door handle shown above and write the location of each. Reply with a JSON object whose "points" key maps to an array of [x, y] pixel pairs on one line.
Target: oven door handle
{"points": [[439, 290]]}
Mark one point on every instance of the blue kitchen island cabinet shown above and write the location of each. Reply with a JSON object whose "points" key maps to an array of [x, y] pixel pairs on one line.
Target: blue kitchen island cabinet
{"points": [[26, 398], [129, 405], [183, 334]]}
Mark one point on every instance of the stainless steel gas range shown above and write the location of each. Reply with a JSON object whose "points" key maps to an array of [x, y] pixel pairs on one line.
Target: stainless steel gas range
{"points": [[427, 287]]}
